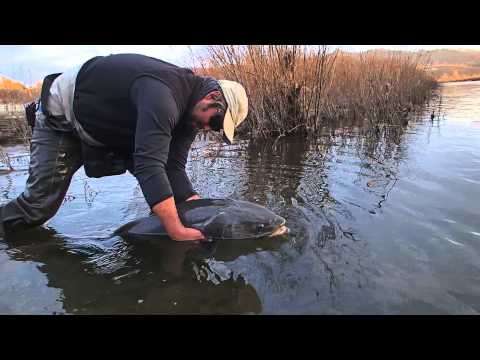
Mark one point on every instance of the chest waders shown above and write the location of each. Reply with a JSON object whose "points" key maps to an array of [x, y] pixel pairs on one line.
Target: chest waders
{"points": [[56, 153]]}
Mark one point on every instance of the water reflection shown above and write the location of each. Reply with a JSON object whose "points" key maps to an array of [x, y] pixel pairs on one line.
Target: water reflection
{"points": [[307, 182], [274, 170], [297, 179], [114, 276]]}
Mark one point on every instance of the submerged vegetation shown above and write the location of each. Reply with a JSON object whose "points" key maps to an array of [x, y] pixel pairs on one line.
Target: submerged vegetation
{"points": [[5, 159], [297, 90]]}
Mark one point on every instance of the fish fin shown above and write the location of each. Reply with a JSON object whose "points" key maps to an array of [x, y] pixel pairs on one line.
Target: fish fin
{"points": [[203, 226]]}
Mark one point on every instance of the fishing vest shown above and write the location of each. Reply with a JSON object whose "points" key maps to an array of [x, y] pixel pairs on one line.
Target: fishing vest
{"points": [[102, 90]]}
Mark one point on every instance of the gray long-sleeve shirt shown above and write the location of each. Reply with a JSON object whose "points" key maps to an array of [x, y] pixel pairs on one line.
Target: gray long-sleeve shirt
{"points": [[161, 143]]}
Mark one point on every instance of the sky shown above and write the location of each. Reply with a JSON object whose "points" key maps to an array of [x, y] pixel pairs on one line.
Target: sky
{"points": [[30, 63]]}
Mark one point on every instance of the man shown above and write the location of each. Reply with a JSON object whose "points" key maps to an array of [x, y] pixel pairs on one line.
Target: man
{"points": [[119, 112]]}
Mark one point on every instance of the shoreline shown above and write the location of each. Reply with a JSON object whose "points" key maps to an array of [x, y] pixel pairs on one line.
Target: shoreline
{"points": [[460, 80], [12, 126]]}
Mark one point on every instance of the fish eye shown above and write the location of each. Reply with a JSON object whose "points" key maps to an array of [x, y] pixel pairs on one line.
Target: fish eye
{"points": [[260, 227]]}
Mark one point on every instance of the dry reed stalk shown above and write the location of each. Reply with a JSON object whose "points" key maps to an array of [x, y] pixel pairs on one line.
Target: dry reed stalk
{"points": [[5, 159], [295, 89]]}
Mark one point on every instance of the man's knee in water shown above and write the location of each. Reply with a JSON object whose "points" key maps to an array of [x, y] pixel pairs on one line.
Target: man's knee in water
{"points": [[13, 222]]}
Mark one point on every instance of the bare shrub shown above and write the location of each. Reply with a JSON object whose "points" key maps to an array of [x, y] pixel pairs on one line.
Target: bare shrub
{"points": [[295, 89]]}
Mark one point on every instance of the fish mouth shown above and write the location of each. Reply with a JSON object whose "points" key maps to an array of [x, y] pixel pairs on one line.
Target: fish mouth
{"points": [[280, 229]]}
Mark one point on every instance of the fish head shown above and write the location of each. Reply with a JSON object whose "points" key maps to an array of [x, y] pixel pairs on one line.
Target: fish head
{"points": [[246, 220]]}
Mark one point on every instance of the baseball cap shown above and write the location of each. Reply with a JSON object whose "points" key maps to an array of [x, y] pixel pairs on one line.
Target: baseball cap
{"points": [[237, 107]]}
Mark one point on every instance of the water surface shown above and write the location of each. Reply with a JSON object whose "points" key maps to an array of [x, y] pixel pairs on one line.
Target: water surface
{"points": [[383, 221]]}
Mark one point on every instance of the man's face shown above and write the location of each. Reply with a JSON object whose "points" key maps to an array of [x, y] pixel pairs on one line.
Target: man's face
{"points": [[205, 109]]}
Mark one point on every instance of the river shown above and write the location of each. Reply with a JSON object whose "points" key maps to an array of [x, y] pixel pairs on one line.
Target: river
{"points": [[382, 221]]}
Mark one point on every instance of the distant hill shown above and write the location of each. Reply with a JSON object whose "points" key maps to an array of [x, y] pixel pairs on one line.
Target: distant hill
{"points": [[448, 56], [12, 91], [455, 65], [9, 84], [446, 64]]}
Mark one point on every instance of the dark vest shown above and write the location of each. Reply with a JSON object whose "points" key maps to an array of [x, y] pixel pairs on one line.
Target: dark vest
{"points": [[102, 102]]}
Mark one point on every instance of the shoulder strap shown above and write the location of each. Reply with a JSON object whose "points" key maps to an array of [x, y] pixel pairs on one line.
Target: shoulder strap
{"points": [[47, 83]]}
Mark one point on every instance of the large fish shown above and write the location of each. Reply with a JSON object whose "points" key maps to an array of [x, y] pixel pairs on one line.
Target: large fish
{"points": [[217, 219]]}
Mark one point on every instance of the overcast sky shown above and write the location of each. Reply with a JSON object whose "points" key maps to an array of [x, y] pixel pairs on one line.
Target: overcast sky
{"points": [[30, 63]]}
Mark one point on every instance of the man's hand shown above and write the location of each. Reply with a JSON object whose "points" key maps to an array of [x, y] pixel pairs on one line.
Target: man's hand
{"points": [[188, 234], [167, 212]]}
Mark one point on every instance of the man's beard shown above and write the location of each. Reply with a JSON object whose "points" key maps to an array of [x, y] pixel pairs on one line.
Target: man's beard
{"points": [[196, 122]]}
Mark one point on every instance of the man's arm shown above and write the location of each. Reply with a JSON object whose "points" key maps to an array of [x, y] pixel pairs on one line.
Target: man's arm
{"points": [[157, 115], [167, 212], [177, 159]]}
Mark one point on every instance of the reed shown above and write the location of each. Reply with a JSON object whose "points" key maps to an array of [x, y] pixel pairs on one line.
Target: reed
{"points": [[295, 89], [5, 159]]}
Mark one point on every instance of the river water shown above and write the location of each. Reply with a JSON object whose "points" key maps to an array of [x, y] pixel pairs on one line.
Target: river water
{"points": [[382, 221]]}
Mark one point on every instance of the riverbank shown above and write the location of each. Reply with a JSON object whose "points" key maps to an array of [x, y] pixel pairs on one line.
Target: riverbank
{"points": [[477, 78], [13, 128], [300, 90]]}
